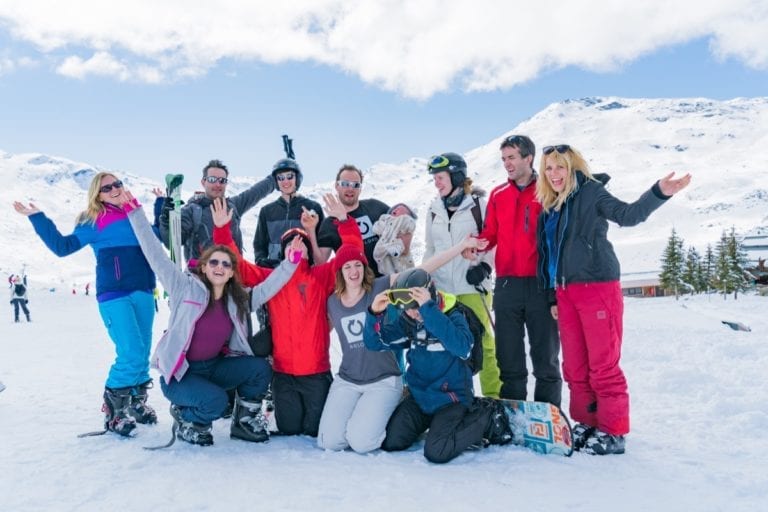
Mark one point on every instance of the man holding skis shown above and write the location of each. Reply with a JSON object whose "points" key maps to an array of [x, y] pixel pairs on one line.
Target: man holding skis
{"points": [[196, 220]]}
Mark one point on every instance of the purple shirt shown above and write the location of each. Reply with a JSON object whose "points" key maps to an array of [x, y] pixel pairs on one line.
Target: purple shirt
{"points": [[212, 332]]}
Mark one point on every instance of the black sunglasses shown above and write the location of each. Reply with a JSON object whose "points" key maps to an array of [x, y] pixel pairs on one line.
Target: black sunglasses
{"points": [[560, 148], [213, 262], [515, 140], [286, 176], [108, 188], [214, 179]]}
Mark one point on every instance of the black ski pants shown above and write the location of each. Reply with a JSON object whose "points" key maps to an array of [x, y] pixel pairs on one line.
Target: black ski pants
{"points": [[520, 305], [19, 303], [299, 402], [452, 429]]}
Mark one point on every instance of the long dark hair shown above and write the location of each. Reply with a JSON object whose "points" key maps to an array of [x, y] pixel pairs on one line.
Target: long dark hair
{"points": [[233, 288]]}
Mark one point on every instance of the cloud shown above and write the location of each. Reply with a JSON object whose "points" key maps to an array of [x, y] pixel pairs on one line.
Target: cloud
{"points": [[416, 49]]}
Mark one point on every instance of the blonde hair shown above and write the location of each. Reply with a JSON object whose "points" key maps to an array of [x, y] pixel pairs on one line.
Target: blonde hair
{"points": [[573, 161], [468, 186], [95, 207]]}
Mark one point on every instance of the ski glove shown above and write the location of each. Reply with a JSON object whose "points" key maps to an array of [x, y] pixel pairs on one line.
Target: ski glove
{"points": [[478, 273]]}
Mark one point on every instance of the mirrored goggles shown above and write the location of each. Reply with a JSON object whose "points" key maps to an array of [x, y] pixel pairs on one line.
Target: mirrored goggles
{"points": [[400, 297]]}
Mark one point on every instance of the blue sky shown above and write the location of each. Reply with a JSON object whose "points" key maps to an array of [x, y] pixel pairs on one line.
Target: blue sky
{"points": [[93, 95]]}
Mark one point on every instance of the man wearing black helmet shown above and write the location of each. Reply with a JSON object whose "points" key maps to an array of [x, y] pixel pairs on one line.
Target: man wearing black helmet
{"points": [[196, 220], [441, 399], [283, 214]]}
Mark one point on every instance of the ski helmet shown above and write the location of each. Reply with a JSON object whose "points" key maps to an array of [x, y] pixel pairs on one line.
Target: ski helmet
{"points": [[414, 278], [287, 164], [452, 163]]}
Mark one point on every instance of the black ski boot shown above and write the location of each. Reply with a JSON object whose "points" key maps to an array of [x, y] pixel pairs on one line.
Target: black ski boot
{"points": [[117, 419], [580, 434], [602, 443], [193, 433], [141, 411], [499, 429], [248, 421]]}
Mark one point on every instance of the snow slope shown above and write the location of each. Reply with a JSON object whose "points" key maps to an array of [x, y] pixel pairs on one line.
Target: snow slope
{"points": [[697, 443]]}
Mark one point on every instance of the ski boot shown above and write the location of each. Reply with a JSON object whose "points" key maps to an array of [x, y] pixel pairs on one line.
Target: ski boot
{"points": [[499, 429], [117, 418], [580, 434], [193, 433], [602, 443], [141, 411], [248, 421]]}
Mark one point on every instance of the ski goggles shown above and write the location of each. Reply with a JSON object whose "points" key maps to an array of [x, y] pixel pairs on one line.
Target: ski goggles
{"points": [[213, 262], [108, 188], [214, 179], [400, 297], [349, 184], [560, 148], [438, 162], [285, 176]]}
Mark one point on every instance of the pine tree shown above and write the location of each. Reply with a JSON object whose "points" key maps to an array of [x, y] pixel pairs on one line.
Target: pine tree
{"points": [[708, 269], [737, 263], [722, 275], [691, 270], [671, 276]]}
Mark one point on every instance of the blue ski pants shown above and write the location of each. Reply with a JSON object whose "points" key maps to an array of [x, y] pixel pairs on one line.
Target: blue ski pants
{"points": [[128, 320]]}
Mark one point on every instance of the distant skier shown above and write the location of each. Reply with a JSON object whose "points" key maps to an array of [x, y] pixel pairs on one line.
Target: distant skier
{"points": [[124, 284], [19, 297]]}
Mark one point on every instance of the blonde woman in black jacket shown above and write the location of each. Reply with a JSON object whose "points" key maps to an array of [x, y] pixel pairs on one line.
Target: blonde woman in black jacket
{"points": [[579, 267]]}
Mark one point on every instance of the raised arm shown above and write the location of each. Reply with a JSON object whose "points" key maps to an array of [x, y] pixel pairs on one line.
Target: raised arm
{"points": [[250, 274], [59, 244], [167, 271]]}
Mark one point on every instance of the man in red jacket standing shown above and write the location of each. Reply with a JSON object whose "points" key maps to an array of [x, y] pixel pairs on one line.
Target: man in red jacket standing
{"points": [[519, 302]]}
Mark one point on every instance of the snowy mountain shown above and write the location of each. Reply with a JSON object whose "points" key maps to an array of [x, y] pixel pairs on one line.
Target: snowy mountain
{"points": [[636, 141]]}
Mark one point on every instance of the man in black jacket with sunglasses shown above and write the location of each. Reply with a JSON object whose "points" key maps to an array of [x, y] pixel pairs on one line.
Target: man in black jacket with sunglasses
{"points": [[196, 220]]}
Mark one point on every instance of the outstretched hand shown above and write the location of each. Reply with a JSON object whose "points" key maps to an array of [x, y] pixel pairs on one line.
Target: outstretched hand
{"points": [[158, 192], [334, 207], [670, 187], [296, 249], [221, 216], [309, 219], [25, 210]]}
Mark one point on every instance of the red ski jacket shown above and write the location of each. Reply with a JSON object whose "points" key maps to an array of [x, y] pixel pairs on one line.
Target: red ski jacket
{"points": [[298, 314], [510, 226]]}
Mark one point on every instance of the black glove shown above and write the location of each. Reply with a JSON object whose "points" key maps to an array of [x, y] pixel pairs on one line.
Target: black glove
{"points": [[478, 273]]}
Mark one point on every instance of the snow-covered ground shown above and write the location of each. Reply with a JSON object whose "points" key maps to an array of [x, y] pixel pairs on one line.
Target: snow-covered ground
{"points": [[698, 392]]}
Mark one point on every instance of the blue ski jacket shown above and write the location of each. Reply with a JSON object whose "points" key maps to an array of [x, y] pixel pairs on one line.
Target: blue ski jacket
{"points": [[121, 267], [437, 373]]}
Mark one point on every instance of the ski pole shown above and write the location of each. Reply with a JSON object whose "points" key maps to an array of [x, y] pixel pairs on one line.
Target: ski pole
{"points": [[482, 291]]}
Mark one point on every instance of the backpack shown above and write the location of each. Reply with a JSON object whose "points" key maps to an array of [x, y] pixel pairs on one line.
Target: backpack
{"points": [[476, 327], [476, 213]]}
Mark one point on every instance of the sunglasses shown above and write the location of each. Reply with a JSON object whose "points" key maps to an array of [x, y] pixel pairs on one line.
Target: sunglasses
{"points": [[560, 148], [349, 184], [286, 176], [213, 262], [515, 140], [399, 296], [214, 179], [108, 188]]}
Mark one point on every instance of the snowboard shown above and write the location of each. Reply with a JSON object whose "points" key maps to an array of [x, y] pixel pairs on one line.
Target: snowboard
{"points": [[173, 190], [539, 426]]}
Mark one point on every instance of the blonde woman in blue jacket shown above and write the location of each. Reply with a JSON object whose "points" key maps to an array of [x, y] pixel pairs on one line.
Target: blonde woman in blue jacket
{"points": [[205, 352]]}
